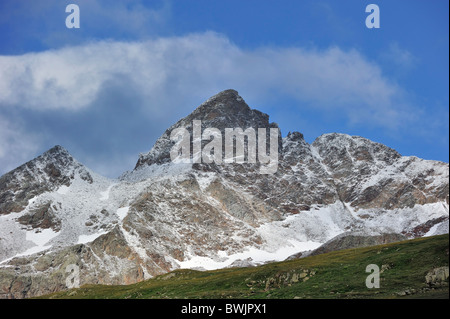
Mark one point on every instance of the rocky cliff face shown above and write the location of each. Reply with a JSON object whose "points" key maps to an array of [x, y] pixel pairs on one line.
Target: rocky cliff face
{"points": [[54, 212], [224, 110], [53, 169]]}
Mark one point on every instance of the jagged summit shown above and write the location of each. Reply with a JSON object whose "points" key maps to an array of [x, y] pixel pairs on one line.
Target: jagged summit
{"points": [[226, 109], [58, 149], [56, 158], [52, 169], [338, 148], [59, 156], [230, 97], [295, 136]]}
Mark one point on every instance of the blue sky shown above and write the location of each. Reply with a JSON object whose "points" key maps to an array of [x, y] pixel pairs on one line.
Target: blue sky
{"points": [[108, 90]]}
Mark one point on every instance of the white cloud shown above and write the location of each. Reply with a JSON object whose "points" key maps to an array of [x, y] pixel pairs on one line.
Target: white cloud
{"points": [[399, 56], [166, 68], [16, 146], [167, 77]]}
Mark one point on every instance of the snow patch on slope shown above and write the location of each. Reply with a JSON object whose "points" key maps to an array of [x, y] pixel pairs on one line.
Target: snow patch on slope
{"points": [[122, 212], [309, 230], [63, 190], [84, 239], [40, 239], [105, 195]]}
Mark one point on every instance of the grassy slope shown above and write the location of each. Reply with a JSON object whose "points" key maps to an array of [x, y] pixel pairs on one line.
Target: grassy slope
{"points": [[339, 274]]}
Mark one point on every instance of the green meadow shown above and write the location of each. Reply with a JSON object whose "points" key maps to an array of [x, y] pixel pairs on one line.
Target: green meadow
{"points": [[335, 275]]}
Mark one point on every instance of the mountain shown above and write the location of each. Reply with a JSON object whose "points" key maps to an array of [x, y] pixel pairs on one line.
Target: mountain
{"points": [[53, 169], [224, 110], [165, 215]]}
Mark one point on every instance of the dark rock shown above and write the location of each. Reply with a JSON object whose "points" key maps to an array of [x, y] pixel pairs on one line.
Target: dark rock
{"points": [[41, 217], [355, 240], [45, 173]]}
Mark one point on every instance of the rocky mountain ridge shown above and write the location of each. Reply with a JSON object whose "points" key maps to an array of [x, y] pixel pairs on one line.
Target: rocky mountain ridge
{"points": [[53, 169], [54, 212]]}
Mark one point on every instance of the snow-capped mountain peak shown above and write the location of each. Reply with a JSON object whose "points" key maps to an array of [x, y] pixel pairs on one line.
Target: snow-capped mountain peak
{"points": [[162, 215]]}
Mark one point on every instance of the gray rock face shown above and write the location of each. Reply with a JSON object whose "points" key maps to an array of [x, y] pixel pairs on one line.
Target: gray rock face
{"points": [[369, 174], [354, 240], [342, 190], [224, 110], [437, 276], [45, 173], [41, 217], [335, 167]]}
